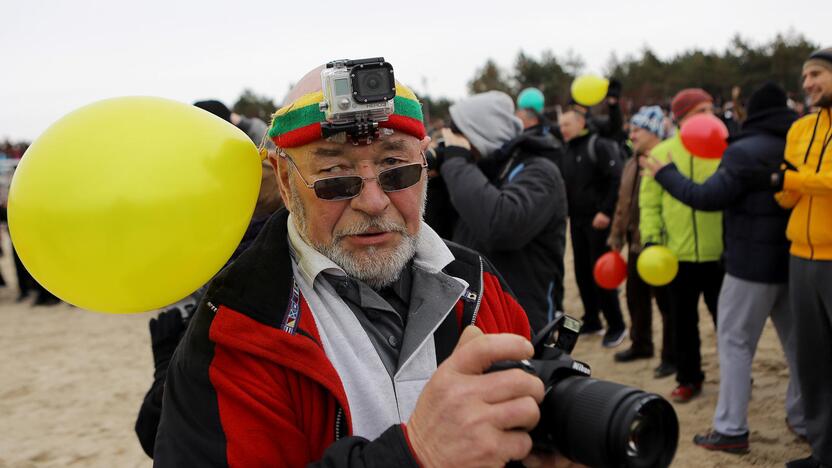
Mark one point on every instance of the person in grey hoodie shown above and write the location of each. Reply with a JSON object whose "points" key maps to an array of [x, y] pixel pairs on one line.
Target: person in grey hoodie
{"points": [[510, 197]]}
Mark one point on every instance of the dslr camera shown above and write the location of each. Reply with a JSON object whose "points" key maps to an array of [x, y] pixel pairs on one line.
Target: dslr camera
{"points": [[358, 94], [594, 422]]}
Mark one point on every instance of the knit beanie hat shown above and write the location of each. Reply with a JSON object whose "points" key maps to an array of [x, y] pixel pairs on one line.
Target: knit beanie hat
{"points": [[487, 120], [687, 99], [821, 58], [215, 107], [767, 97], [650, 118]]}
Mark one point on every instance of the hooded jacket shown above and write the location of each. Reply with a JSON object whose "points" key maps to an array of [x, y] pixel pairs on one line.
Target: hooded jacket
{"points": [[809, 189], [515, 214], [756, 248], [251, 385], [692, 235]]}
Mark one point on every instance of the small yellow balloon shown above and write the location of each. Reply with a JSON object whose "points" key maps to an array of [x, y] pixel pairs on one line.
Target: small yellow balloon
{"points": [[589, 90], [657, 265], [130, 204]]}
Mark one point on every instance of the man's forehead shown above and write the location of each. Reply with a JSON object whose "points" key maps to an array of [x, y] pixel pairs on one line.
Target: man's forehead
{"points": [[813, 69], [395, 142]]}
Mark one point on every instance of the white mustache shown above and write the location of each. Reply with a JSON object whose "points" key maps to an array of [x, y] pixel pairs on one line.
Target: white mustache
{"points": [[365, 225]]}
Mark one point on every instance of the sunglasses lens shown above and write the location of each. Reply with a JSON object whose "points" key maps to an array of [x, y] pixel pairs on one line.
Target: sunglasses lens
{"points": [[400, 178], [338, 188]]}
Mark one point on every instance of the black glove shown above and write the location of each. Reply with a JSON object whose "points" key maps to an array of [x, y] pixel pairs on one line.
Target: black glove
{"points": [[457, 152], [165, 332], [614, 89]]}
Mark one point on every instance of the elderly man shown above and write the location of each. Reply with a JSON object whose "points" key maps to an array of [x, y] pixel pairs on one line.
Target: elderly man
{"points": [[337, 338]]}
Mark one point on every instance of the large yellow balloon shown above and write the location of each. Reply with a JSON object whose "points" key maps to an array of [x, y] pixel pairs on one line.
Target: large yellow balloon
{"points": [[130, 204], [657, 265], [589, 90]]}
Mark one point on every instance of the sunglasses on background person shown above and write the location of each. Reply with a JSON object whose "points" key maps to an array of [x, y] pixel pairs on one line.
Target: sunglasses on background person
{"points": [[345, 187]]}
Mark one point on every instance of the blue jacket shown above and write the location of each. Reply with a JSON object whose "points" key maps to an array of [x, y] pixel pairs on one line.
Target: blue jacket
{"points": [[756, 248]]}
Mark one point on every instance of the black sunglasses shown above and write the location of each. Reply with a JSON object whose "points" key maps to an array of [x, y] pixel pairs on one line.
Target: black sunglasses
{"points": [[346, 187]]}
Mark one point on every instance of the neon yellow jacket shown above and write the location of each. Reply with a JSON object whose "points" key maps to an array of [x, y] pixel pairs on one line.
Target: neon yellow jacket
{"points": [[808, 191], [693, 235]]}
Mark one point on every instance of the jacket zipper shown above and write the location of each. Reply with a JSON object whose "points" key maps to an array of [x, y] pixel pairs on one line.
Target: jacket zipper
{"points": [[693, 215], [808, 229], [479, 299], [339, 417]]}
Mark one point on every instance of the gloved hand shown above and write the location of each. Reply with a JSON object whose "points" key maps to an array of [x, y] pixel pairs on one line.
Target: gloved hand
{"points": [[166, 330]]}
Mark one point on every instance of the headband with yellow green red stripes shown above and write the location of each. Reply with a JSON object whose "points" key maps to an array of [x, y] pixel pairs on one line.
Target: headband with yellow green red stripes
{"points": [[299, 123]]}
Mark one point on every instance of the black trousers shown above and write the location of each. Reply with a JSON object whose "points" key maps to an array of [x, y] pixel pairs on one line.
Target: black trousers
{"points": [[588, 244], [640, 304], [692, 280]]}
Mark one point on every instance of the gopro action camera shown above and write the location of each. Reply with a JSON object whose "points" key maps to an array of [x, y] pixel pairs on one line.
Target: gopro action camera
{"points": [[358, 94]]}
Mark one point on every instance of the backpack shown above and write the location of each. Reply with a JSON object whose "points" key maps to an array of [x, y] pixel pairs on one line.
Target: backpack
{"points": [[622, 153]]}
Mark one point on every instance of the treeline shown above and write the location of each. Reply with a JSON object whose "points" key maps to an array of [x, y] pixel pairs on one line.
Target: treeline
{"points": [[646, 77]]}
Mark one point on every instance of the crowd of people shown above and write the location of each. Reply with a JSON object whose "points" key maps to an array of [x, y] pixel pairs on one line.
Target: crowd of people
{"points": [[337, 334]]}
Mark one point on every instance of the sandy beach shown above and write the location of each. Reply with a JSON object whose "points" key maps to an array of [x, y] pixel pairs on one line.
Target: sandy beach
{"points": [[72, 382]]}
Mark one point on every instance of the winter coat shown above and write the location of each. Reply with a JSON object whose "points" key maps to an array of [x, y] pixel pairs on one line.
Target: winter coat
{"points": [[516, 218], [692, 235], [591, 186], [809, 189], [624, 227], [756, 248], [251, 384]]}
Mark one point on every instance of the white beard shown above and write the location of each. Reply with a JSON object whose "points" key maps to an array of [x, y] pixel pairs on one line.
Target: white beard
{"points": [[377, 267]]}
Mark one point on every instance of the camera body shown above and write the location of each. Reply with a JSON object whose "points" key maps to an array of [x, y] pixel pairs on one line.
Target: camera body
{"points": [[358, 94], [594, 422]]}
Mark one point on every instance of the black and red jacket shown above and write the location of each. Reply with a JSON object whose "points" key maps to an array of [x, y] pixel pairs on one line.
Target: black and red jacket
{"points": [[241, 391]]}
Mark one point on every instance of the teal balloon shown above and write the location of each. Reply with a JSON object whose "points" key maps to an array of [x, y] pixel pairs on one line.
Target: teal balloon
{"points": [[530, 98]]}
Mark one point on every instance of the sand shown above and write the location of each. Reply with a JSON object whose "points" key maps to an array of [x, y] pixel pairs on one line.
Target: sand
{"points": [[71, 382]]}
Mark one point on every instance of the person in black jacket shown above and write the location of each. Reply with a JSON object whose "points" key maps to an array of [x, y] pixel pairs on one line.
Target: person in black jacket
{"points": [[756, 262], [591, 168], [512, 206]]}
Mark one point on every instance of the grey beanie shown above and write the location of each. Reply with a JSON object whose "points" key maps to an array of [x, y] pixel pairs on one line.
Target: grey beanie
{"points": [[487, 120]]}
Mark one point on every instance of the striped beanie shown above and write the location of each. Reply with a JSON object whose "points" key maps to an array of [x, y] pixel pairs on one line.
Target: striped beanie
{"points": [[650, 118], [299, 123]]}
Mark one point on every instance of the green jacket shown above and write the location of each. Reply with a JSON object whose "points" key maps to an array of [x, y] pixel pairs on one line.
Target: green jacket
{"points": [[693, 235]]}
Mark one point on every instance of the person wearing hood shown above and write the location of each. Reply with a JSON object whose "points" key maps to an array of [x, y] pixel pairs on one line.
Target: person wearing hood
{"points": [[510, 197], [591, 167], [755, 285]]}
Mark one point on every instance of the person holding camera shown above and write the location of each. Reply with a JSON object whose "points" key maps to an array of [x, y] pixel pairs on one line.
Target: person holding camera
{"points": [[510, 197], [341, 337]]}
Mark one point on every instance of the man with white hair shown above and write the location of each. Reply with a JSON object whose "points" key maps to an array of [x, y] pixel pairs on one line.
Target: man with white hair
{"points": [[337, 337]]}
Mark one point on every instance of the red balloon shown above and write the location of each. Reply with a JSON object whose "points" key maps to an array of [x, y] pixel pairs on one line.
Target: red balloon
{"points": [[610, 270], [705, 136]]}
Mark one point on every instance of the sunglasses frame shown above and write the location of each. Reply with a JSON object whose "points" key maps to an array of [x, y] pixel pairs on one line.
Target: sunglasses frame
{"points": [[423, 165]]}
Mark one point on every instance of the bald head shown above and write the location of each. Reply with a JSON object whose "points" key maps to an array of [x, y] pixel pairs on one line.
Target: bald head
{"points": [[310, 83]]}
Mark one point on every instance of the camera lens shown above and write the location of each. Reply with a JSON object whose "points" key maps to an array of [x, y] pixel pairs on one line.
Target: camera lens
{"points": [[373, 83], [600, 423]]}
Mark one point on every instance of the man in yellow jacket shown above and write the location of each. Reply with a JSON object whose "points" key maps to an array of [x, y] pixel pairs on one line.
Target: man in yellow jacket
{"points": [[807, 190]]}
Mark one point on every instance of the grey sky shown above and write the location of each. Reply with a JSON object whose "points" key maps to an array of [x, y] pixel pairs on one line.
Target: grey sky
{"points": [[60, 55]]}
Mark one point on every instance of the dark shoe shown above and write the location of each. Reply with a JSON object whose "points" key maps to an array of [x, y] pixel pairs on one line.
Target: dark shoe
{"points": [[808, 462], [717, 441], [613, 338], [587, 329], [686, 392], [631, 354], [22, 296], [665, 369]]}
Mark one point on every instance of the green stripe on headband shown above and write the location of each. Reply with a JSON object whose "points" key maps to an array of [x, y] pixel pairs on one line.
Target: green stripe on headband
{"points": [[407, 108], [296, 119]]}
